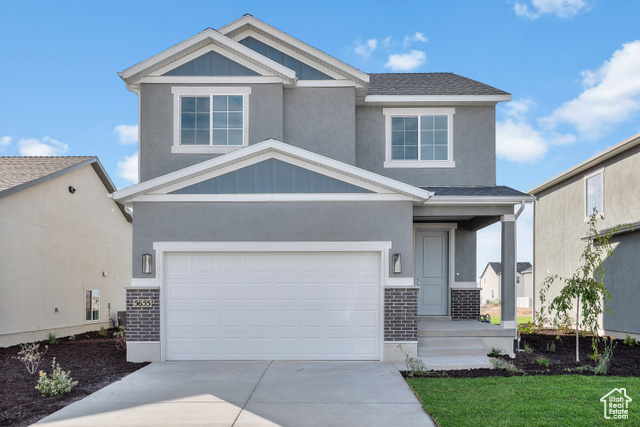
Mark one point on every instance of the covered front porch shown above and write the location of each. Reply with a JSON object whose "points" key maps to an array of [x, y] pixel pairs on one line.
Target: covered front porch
{"points": [[448, 331]]}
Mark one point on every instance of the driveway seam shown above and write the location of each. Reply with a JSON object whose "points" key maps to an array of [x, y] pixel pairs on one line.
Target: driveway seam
{"points": [[252, 391]]}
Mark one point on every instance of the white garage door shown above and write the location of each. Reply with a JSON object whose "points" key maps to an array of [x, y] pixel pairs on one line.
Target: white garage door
{"points": [[272, 305]]}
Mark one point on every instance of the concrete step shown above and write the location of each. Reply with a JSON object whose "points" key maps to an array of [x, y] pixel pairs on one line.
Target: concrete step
{"points": [[432, 329], [457, 362], [476, 350], [449, 341]]}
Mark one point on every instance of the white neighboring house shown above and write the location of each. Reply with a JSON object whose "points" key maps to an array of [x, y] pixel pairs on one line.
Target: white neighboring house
{"points": [[65, 248], [490, 283]]}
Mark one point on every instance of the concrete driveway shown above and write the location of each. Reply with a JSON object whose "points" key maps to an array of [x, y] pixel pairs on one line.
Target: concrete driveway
{"points": [[256, 394]]}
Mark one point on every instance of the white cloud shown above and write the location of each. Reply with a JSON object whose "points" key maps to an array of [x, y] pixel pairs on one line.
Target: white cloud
{"points": [[518, 108], [416, 37], [611, 96], [406, 61], [366, 49], [128, 168], [518, 142], [386, 42], [128, 134], [560, 8], [46, 147], [4, 141]]}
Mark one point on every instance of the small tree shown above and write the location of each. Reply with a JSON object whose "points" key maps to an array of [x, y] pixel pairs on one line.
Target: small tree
{"points": [[586, 285]]}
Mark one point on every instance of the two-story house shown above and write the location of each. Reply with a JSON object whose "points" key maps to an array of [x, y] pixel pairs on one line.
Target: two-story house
{"points": [[606, 183], [291, 206]]}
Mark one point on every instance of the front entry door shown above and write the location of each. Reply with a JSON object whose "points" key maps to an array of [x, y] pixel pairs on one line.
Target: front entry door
{"points": [[432, 272]]}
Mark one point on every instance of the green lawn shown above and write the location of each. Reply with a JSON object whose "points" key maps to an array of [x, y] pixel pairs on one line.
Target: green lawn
{"points": [[563, 400], [524, 319]]}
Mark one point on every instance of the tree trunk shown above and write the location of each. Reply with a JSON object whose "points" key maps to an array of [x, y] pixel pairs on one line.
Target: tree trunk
{"points": [[577, 330]]}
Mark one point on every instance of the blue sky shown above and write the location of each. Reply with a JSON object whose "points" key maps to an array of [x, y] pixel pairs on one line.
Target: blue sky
{"points": [[572, 67]]}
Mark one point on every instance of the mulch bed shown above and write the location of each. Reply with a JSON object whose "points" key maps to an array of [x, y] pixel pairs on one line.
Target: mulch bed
{"points": [[562, 361], [92, 359]]}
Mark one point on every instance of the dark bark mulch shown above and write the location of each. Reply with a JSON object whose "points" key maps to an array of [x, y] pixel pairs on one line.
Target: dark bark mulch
{"points": [[92, 360], [562, 360]]}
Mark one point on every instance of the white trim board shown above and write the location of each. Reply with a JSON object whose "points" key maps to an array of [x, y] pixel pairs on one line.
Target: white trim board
{"points": [[435, 98]]}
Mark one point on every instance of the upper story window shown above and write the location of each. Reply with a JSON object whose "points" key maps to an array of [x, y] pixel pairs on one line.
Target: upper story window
{"points": [[419, 137], [593, 194], [210, 119]]}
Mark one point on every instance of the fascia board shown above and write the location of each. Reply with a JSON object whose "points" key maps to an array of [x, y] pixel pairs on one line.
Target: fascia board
{"points": [[213, 35], [153, 185], [479, 200], [435, 98], [591, 162], [250, 20]]}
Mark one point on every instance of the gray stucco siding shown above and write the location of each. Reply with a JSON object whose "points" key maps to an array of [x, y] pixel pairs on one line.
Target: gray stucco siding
{"points": [[465, 253], [473, 149], [156, 125], [321, 120], [274, 222], [622, 280]]}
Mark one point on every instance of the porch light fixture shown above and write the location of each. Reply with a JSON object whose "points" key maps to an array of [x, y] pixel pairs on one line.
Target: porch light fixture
{"points": [[397, 263], [146, 263]]}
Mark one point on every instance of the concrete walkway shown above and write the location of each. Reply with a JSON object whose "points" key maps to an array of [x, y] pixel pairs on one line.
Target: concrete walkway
{"points": [[256, 394]]}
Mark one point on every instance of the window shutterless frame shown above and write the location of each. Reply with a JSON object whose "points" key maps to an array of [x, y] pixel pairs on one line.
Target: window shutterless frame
{"points": [[593, 193], [208, 92], [390, 113], [92, 305]]}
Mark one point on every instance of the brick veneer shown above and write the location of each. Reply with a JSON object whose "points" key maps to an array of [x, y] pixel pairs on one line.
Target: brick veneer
{"points": [[465, 304], [143, 323], [401, 314]]}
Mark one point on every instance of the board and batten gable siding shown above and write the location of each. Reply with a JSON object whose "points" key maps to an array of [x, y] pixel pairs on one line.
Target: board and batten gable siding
{"points": [[156, 125], [274, 222], [474, 149], [55, 245], [560, 224]]}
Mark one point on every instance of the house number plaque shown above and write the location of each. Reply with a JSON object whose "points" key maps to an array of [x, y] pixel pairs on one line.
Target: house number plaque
{"points": [[142, 303]]}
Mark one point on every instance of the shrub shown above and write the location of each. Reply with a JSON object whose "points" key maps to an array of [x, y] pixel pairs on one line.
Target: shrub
{"points": [[542, 361], [499, 363], [53, 338], [31, 356], [413, 365], [551, 347], [495, 352], [528, 349], [496, 301], [120, 338], [59, 382], [72, 338], [630, 341], [604, 360], [103, 331], [526, 328]]}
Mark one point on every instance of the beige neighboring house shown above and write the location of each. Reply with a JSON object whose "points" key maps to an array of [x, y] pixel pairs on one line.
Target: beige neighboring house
{"points": [[65, 248], [490, 283], [608, 182]]}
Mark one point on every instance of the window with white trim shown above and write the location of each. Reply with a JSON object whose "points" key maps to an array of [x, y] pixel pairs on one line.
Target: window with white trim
{"points": [[210, 119], [419, 137], [593, 194], [92, 305]]}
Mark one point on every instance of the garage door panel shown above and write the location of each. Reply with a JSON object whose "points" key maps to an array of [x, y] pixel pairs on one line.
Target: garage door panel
{"points": [[269, 306]]}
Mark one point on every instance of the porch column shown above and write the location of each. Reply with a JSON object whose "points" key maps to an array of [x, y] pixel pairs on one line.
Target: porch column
{"points": [[508, 280]]}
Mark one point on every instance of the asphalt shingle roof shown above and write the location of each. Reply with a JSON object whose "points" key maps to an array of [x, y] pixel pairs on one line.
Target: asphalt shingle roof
{"points": [[473, 190], [16, 171], [521, 266], [427, 84]]}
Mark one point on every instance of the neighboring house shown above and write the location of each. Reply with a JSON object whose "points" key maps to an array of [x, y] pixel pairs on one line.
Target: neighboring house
{"points": [[65, 248], [490, 283], [607, 182], [289, 203]]}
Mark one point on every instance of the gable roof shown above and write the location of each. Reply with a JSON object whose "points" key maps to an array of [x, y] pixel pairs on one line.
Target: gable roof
{"points": [[497, 267], [208, 37], [20, 173], [599, 158], [250, 23], [270, 148]]}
